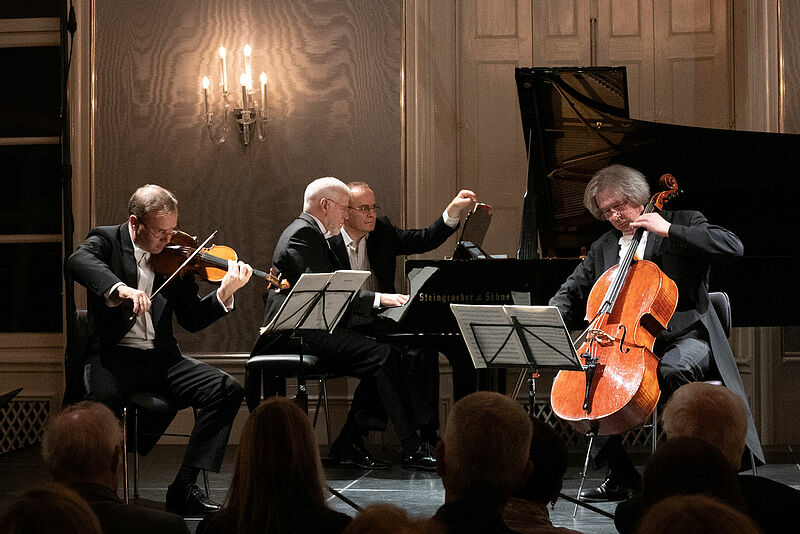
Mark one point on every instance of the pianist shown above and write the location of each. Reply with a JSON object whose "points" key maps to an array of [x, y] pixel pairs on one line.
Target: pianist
{"points": [[694, 346], [370, 243], [302, 248]]}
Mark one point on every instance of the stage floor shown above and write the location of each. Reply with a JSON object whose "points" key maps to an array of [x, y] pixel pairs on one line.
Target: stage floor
{"points": [[418, 493]]}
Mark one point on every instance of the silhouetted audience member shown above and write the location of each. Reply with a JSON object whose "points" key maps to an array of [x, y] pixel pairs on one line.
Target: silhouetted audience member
{"points": [[695, 514], [385, 518], [718, 416], [483, 460], [277, 484], [682, 466], [82, 448], [55, 509], [709, 412], [526, 512]]}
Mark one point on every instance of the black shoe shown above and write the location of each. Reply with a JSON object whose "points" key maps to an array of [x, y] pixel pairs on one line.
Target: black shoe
{"points": [[355, 452], [609, 490], [188, 500], [421, 459]]}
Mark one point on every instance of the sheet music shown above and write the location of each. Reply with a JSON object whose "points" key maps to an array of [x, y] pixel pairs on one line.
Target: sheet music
{"points": [[417, 278], [546, 335], [491, 325], [516, 336], [339, 287]]}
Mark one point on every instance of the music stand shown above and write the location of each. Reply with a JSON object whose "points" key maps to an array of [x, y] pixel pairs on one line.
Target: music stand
{"points": [[317, 302], [528, 337]]}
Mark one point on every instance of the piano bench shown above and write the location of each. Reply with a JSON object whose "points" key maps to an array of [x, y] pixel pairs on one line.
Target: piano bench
{"points": [[276, 368]]}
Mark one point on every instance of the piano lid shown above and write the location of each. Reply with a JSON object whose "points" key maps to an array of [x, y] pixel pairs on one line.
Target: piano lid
{"points": [[576, 121]]}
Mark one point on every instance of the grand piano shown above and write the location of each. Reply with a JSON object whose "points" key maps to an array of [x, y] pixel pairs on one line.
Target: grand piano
{"points": [[576, 121]]}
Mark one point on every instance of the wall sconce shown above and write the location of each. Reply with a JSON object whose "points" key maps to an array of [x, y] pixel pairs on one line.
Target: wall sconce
{"points": [[251, 118]]}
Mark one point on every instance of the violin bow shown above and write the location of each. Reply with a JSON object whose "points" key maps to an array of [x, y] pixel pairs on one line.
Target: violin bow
{"points": [[184, 264]]}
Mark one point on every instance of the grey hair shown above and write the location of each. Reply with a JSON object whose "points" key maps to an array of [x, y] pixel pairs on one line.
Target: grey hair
{"points": [[322, 188], [79, 443], [151, 198], [620, 180], [487, 445], [714, 414]]}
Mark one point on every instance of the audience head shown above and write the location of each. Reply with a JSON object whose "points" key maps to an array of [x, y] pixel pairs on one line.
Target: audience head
{"points": [[386, 518], [83, 444], [278, 467], [55, 509], [711, 413], [686, 466], [695, 514], [327, 199], [549, 456], [484, 452]]}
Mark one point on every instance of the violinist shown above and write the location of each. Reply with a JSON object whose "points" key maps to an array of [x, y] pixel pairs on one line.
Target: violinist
{"points": [[132, 347], [693, 347]]}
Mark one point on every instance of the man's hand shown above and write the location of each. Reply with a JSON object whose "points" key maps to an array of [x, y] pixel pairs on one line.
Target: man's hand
{"points": [[652, 222], [392, 300], [238, 275], [463, 199], [139, 299]]}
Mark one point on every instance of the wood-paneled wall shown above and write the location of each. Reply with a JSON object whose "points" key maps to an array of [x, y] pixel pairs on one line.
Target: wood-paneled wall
{"points": [[334, 93]]}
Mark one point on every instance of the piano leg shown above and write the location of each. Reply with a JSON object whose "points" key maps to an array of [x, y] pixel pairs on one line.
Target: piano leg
{"points": [[467, 379]]}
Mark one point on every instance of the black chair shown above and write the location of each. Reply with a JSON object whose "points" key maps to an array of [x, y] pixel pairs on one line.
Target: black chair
{"points": [[152, 402], [75, 391], [74, 358], [276, 368], [722, 306]]}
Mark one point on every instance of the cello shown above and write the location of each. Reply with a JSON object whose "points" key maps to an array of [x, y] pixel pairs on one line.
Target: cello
{"points": [[627, 308]]}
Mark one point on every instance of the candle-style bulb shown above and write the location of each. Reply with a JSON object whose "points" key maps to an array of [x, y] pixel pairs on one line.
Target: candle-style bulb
{"points": [[222, 52], [247, 50], [205, 82], [263, 78], [243, 79]]}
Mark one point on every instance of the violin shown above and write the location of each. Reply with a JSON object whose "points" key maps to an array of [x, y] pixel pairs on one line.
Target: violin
{"points": [[210, 263], [629, 305]]}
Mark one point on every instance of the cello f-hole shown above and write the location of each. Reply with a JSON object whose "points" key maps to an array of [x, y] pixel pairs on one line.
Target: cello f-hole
{"points": [[622, 339]]}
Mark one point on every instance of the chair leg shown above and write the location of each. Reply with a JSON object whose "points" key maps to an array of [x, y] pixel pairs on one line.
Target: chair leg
{"points": [[583, 474], [135, 453], [654, 436], [319, 403], [327, 410], [125, 454]]}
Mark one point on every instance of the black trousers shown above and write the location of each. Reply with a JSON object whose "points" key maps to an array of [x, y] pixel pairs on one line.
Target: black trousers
{"points": [[346, 352], [420, 378], [685, 359], [112, 378]]}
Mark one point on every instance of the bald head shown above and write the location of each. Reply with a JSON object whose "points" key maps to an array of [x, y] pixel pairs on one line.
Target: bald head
{"points": [[81, 444]]}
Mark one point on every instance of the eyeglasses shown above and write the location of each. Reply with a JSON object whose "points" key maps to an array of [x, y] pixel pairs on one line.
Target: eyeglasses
{"points": [[366, 208], [615, 209], [160, 234]]}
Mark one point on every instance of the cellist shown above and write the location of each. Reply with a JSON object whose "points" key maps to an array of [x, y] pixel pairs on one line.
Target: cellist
{"points": [[693, 347]]}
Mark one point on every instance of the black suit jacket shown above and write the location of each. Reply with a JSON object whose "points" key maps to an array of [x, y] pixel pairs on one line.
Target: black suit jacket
{"points": [[116, 517], [106, 258], [386, 242], [686, 258], [302, 248]]}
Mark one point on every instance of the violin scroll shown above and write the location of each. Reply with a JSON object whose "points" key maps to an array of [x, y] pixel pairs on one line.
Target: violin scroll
{"points": [[276, 280]]}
